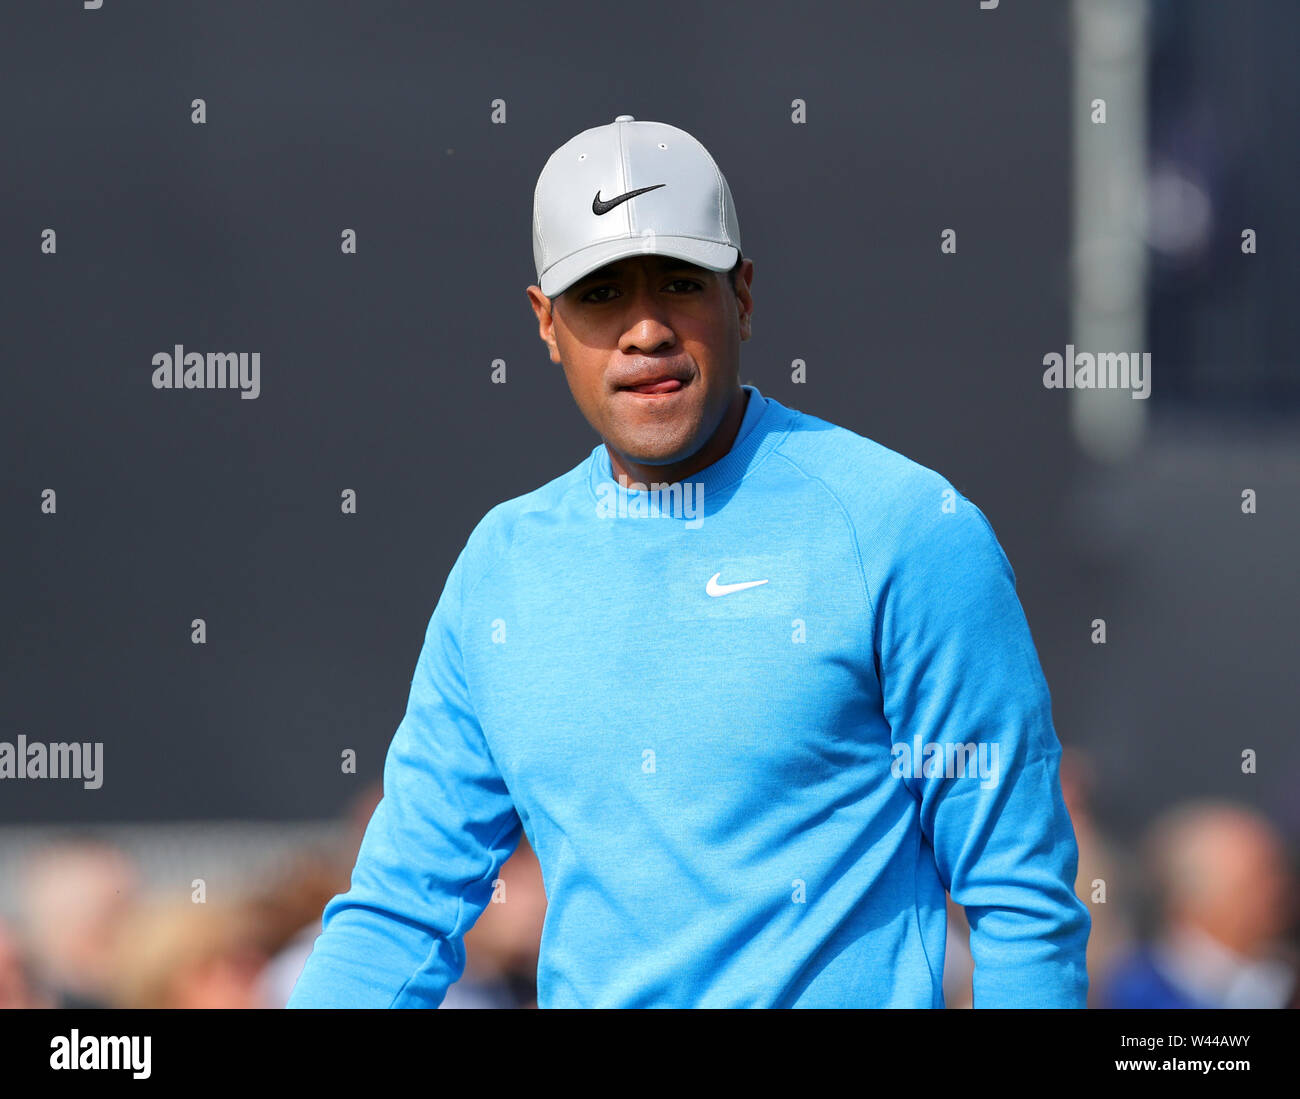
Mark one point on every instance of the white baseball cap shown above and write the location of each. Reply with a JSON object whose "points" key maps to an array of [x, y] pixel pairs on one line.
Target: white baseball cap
{"points": [[626, 189]]}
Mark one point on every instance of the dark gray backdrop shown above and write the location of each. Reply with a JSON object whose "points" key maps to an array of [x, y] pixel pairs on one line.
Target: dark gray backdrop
{"points": [[375, 367]]}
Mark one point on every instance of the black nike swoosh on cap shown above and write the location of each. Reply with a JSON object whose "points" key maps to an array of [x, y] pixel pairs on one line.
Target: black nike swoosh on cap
{"points": [[602, 206]]}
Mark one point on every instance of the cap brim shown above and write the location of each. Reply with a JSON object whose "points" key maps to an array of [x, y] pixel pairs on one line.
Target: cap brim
{"points": [[704, 253]]}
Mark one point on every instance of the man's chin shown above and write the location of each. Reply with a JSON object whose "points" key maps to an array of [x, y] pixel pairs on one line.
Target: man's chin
{"points": [[657, 442], [657, 452]]}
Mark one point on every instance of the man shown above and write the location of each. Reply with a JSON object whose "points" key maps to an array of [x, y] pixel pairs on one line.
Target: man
{"points": [[77, 895], [1222, 884], [756, 688]]}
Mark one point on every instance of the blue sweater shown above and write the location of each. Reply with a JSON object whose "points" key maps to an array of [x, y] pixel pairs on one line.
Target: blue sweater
{"points": [[752, 728]]}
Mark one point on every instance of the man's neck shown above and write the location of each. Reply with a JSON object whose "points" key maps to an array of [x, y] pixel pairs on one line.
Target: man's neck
{"points": [[627, 472]]}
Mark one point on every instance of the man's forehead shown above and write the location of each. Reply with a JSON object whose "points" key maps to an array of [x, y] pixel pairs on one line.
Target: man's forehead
{"points": [[657, 263]]}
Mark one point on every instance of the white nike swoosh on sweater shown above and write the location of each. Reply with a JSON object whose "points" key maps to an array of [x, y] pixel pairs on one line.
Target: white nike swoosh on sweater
{"points": [[715, 589]]}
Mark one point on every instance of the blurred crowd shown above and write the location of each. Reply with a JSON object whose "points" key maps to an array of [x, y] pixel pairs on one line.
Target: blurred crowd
{"points": [[89, 935], [1200, 915]]}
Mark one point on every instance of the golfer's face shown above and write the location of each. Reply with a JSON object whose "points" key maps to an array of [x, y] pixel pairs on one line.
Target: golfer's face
{"points": [[650, 348]]}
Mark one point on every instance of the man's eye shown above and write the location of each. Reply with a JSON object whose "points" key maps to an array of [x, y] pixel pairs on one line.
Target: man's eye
{"points": [[587, 297]]}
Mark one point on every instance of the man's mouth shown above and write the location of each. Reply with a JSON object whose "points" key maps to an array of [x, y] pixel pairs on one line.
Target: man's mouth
{"points": [[657, 380], [663, 385]]}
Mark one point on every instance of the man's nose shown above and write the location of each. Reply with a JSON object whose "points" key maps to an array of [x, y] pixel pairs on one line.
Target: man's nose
{"points": [[648, 324], [647, 335]]}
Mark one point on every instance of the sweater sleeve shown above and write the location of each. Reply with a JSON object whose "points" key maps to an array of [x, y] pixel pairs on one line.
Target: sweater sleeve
{"points": [[437, 839], [970, 714]]}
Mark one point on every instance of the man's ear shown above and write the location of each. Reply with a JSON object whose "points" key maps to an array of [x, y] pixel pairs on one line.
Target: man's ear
{"points": [[543, 309]]}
